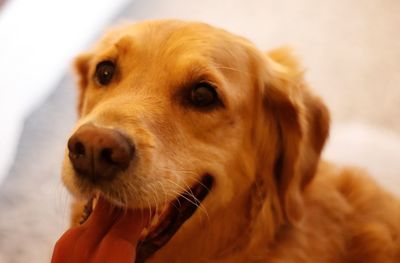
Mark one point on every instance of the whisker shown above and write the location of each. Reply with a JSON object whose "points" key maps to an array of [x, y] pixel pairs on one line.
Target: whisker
{"points": [[196, 201], [151, 213], [176, 170], [162, 186], [188, 189], [155, 197], [188, 172]]}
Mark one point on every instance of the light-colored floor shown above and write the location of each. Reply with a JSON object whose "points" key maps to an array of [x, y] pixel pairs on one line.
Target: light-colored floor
{"points": [[351, 50]]}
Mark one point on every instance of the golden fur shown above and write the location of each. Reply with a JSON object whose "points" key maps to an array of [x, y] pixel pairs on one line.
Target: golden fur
{"points": [[273, 199]]}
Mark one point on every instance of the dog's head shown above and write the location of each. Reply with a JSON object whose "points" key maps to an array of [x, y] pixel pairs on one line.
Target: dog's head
{"points": [[175, 115]]}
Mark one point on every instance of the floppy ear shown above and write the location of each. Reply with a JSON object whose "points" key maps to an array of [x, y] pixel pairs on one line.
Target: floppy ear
{"points": [[81, 66], [302, 122]]}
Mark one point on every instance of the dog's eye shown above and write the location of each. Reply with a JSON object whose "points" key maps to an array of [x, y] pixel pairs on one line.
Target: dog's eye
{"points": [[203, 95], [105, 72]]}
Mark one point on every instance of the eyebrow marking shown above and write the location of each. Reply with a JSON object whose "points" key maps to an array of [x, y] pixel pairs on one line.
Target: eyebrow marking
{"points": [[124, 44]]}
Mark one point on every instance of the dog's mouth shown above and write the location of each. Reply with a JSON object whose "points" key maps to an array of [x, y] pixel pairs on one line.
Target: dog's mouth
{"points": [[165, 223]]}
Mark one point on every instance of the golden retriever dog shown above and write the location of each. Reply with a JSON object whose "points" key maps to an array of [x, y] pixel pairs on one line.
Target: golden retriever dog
{"points": [[222, 143]]}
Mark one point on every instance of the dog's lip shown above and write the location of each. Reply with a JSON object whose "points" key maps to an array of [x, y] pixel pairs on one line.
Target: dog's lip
{"points": [[170, 220], [179, 211]]}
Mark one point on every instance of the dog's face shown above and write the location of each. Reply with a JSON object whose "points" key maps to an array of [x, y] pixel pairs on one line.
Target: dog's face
{"points": [[174, 112]]}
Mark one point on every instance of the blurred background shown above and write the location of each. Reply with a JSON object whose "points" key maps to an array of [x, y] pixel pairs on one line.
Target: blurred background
{"points": [[350, 50]]}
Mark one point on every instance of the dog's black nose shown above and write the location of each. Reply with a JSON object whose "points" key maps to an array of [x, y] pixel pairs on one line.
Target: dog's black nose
{"points": [[99, 153]]}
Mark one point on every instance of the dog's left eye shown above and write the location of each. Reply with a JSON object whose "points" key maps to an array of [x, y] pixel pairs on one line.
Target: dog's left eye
{"points": [[105, 72], [203, 95]]}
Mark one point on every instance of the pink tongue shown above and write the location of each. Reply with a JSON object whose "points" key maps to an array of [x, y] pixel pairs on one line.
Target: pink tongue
{"points": [[117, 224]]}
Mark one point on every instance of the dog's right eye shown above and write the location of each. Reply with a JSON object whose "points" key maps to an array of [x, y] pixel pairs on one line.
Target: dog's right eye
{"points": [[203, 95], [105, 72]]}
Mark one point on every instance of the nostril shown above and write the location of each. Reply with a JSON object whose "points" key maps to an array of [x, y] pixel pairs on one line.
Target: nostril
{"points": [[76, 147], [79, 149], [106, 155]]}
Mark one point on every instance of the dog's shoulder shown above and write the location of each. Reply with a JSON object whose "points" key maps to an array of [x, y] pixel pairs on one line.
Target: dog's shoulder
{"points": [[367, 215]]}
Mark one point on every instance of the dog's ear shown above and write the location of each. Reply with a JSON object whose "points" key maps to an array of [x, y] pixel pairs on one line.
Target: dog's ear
{"points": [[81, 66], [302, 124]]}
